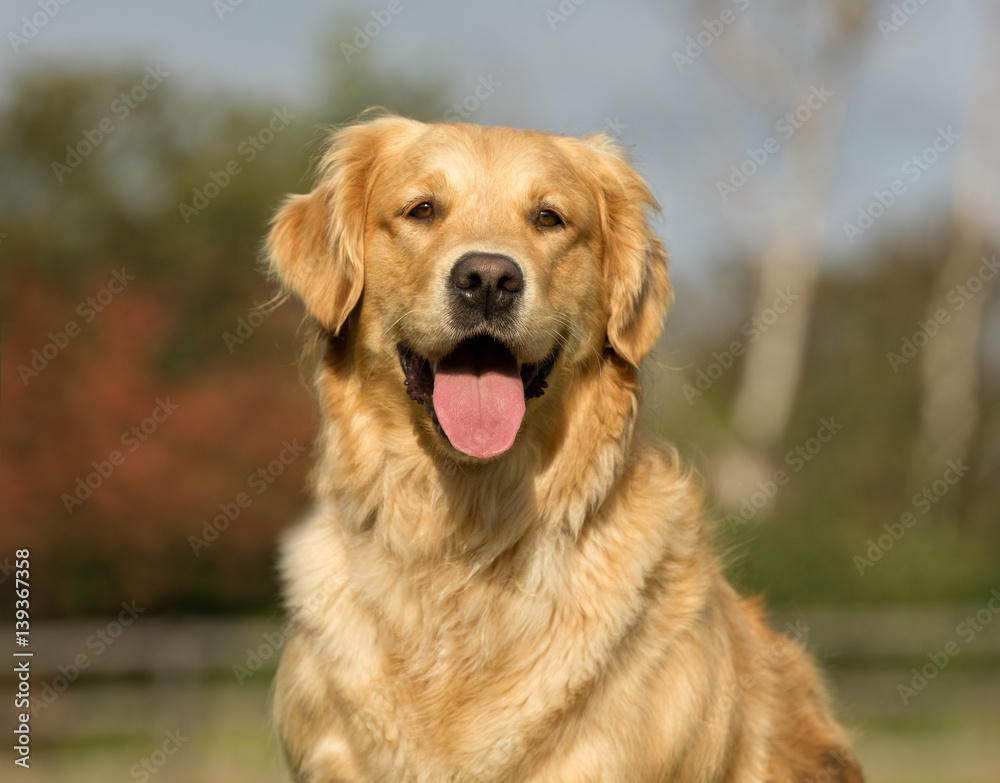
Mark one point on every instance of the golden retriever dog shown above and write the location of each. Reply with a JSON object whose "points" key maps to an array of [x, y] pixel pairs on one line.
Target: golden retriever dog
{"points": [[501, 579]]}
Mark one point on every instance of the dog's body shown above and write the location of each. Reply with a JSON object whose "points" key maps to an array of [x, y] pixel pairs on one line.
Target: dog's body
{"points": [[498, 589]]}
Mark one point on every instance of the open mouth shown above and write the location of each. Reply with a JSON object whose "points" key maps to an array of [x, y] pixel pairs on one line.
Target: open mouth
{"points": [[475, 395]]}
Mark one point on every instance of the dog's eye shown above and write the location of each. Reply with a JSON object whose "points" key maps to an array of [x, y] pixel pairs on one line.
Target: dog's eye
{"points": [[548, 218], [422, 211]]}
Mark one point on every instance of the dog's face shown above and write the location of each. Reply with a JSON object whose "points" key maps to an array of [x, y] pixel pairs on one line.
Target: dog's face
{"points": [[473, 263]]}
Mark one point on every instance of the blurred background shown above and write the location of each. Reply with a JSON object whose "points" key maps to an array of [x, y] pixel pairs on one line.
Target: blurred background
{"points": [[829, 174]]}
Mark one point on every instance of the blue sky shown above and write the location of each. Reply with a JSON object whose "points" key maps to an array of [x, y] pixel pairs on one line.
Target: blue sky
{"points": [[576, 72]]}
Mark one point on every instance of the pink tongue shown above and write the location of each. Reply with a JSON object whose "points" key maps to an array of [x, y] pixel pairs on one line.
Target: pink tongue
{"points": [[480, 410]]}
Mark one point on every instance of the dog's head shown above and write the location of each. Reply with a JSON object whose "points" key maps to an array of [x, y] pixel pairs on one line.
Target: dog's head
{"points": [[482, 264]]}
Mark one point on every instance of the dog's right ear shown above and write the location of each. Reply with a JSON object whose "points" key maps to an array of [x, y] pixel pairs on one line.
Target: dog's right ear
{"points": [[326, 275], [316, 243]]}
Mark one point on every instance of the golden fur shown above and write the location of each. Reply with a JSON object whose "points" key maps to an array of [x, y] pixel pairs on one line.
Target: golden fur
{"points": [[553, 613]]}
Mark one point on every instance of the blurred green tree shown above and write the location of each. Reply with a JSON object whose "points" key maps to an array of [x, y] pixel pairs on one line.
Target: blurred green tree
{"points": [[134, 207]]}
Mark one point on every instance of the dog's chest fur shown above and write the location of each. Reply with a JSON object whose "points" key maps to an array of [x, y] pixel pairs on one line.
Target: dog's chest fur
{"points": [[451, 663], [438, 671]]}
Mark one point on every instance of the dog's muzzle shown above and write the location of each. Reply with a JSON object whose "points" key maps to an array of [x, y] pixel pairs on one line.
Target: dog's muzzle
{"points": [[477, 394]]}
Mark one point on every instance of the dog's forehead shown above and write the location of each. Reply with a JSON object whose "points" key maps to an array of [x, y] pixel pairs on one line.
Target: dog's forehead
{"points": [[461, 155]]}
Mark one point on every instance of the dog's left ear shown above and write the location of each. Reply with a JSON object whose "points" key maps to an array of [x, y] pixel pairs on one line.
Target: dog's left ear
{"points": [[635, 263]]}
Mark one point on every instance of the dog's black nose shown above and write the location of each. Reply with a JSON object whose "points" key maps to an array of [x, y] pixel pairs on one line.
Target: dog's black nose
{"points": [[486, 283]]}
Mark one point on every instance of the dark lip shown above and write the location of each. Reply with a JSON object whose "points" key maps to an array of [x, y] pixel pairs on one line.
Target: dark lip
{"points": [[418, 373]]}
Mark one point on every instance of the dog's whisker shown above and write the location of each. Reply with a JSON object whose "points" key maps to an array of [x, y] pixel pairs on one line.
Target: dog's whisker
{"points": [[388, 343]]}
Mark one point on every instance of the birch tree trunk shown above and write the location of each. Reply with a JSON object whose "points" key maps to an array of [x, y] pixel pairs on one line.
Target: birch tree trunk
{"points": [[950, 363], [772, 368]]}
